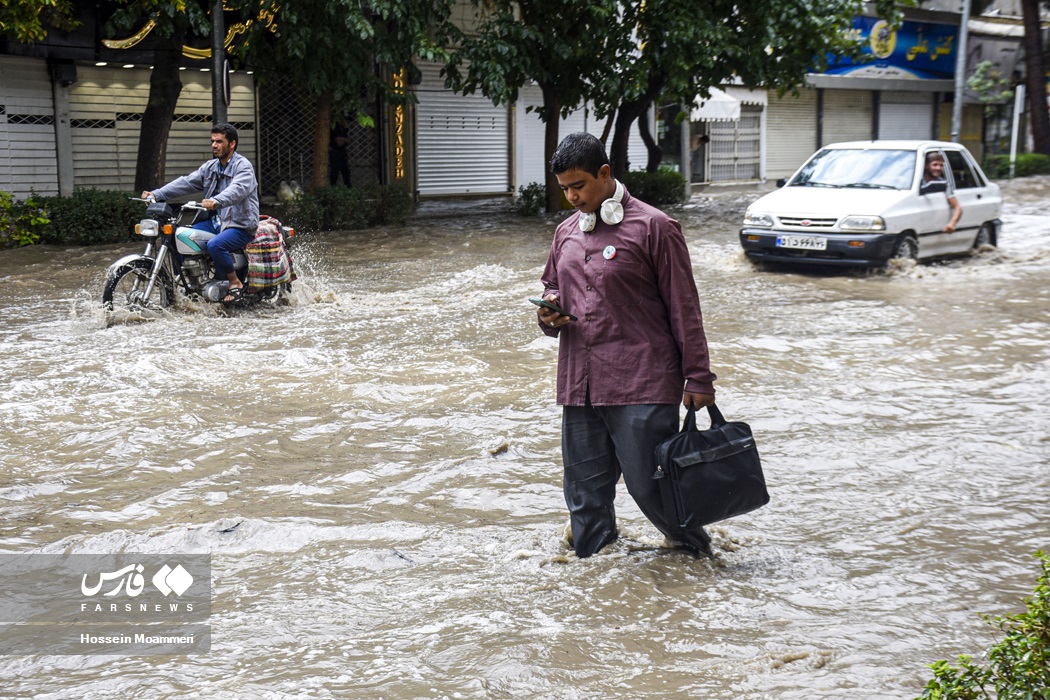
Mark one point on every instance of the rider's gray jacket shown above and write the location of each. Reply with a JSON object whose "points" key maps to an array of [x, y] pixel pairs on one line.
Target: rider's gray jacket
{"points": [[233, 188]]}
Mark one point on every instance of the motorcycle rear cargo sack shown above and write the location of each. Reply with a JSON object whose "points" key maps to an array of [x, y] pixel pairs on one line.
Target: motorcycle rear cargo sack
{"points": [[709, 475]]}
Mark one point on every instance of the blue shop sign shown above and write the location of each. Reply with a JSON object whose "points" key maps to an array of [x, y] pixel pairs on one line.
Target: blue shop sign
{"points": [[915, 51]]}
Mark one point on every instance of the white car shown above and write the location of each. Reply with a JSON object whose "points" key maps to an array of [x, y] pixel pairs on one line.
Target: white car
{"points": [[864, 202]]}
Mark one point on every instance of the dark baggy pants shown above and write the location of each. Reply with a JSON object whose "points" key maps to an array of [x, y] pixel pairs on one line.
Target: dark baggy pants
{"points": [[598, 444]]}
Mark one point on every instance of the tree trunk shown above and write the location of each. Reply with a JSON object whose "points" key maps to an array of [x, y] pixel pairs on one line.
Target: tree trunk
{"points": [[1035, 77], [628, 112], [552, 114], [608, 127], [655, 153], [322, 133], [164, 89]]}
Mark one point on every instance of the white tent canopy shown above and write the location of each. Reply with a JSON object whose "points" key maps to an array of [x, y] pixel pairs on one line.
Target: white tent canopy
{"points": [[720, 106]]}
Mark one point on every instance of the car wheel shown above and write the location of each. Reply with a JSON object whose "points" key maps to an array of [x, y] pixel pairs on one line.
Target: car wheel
{"points": [[907, 249], [984, 237]]}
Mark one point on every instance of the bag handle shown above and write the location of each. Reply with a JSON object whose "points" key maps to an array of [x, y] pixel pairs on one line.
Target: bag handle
{"points": [[689, 424]]}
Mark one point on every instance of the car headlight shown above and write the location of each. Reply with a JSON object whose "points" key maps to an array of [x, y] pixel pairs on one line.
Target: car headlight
{"points": [[863, 223], [147, 227], [760, 220]]}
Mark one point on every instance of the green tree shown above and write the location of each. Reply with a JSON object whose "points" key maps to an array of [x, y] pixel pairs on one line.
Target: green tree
{"points": [[27, 21], [683, 48], [564, 45], [174, 21], [1035, 75], [343, 52], [621, 55]]}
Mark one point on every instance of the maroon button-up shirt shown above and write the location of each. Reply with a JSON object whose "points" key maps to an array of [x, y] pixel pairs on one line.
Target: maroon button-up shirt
{"points": [[639, 336]]}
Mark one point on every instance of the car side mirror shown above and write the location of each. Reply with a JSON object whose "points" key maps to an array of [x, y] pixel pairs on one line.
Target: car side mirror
{"points": [[781, 182], [933, 186]]}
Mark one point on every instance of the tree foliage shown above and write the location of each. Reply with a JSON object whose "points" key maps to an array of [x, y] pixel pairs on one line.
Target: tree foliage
{"points": [[174, 21], [621, 56], [333, 49], [684, 48], [563, 45], [1017, 667], [27, 21], [334, 46]]}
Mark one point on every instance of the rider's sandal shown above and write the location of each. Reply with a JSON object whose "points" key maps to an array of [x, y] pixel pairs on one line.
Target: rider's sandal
{"points": [[233, 296]]}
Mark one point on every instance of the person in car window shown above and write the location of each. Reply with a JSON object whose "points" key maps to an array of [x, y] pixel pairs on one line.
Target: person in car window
{"points": [[935, 171], [636, 349]]}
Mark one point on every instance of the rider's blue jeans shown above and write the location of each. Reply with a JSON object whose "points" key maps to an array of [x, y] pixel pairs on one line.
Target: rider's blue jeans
{"points": [[221, 247]]}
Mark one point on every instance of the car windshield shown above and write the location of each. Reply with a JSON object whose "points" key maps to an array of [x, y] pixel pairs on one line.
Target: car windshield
{"points": [[863, 168]]}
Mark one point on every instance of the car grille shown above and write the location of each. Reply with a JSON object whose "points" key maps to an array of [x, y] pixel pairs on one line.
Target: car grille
{"points": [[804, 222]]}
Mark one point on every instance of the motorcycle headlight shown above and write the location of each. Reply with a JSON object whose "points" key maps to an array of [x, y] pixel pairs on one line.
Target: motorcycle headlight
{"points": [[863, 223], [147, 227], [758, 220]]}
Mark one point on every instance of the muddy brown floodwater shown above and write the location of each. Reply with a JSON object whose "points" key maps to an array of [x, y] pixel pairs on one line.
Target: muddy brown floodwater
{"points": [[375, 471]]}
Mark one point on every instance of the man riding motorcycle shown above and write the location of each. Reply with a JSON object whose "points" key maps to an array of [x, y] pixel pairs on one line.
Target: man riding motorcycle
{"points": [[231, 194]]}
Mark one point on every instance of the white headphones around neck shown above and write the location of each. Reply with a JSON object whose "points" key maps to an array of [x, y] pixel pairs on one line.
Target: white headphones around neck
{"points": [[611, 211]]}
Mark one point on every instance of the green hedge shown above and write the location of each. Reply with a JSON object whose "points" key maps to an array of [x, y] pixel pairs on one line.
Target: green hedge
{"points": [[1017, 667], [998, 167], [21, 223], [348, 208], [531, 199], [90, 217], [659, 188]]}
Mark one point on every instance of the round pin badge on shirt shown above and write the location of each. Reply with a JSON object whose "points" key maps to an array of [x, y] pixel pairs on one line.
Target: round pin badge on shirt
{"points": [[609, 253]]}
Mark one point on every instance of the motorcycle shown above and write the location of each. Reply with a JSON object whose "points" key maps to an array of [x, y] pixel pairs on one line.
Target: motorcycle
{"points": [[147, 280]]}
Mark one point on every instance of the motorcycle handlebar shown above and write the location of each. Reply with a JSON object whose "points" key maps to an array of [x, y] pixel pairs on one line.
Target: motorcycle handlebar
{"points": [[187, 205]]}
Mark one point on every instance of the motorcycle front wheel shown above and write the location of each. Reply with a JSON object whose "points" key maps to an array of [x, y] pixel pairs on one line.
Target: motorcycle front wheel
{"points": [[126, 287]]}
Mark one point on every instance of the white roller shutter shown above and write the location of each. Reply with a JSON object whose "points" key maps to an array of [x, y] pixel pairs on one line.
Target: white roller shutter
{"points": [[848, 116], [906, 115], [463, 140], [530, 160], [791, 127], [27, 128], [106, 106]]}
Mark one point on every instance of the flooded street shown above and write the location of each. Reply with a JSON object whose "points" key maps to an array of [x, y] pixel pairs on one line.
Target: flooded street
{"points": [[375, 471]]}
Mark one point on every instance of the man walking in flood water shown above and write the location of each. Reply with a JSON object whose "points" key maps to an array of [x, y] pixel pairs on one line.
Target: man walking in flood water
{"points": [[635, 349]]}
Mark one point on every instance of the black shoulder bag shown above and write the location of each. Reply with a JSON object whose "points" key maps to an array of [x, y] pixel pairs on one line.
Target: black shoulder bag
{"points": [[709, 475]]}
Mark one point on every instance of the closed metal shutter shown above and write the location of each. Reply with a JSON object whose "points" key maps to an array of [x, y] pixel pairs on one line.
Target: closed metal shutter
{"points": [[906, 115], [791, 125], [106, 107], [531, 162], [736, 146], [847, 116], [27, 128], [463, 140]]}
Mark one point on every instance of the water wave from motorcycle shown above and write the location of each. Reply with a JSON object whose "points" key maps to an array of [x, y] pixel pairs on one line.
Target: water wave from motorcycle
{"points": [[176, 263]]}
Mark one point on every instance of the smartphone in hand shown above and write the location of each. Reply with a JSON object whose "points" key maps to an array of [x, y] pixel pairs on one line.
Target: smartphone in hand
{"points": [[552, 306]]}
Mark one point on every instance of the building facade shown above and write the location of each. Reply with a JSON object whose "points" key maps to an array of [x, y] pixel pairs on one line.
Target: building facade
{"points": [[75, 122]]}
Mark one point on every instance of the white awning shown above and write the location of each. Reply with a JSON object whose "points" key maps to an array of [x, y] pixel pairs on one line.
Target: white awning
{"points": [[720, 106]]}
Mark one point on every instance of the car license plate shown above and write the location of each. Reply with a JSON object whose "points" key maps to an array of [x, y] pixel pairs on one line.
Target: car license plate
{"points": [[804, 242]]}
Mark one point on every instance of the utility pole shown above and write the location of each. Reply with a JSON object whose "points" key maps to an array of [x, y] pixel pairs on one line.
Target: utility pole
{"points": [[960, 73], [219, 76]]}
